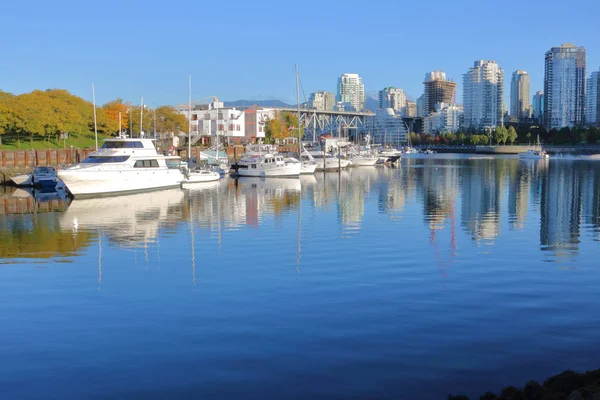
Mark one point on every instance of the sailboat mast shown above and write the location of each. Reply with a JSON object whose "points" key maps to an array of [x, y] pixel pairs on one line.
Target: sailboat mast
{"points": [[189, 155], [95, 123], [298, 105], [141, 115]]}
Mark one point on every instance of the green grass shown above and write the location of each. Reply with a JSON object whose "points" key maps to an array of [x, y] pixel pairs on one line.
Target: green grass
{"points": [[77, 141]]}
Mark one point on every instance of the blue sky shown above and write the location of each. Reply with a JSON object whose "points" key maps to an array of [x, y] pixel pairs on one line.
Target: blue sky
{"points": [[247, 49]]}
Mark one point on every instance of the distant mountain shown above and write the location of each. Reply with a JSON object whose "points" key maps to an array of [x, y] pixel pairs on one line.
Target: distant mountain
{"points": [[371, 104], [260, 103]]}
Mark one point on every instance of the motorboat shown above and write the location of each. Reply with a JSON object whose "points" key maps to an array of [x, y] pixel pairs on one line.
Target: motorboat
{"points": [[263, 160], [121, 166], [199, 175], [325, 160], [41, 176], [390, 155], [533, 154], [360, 160], [306, 166]]}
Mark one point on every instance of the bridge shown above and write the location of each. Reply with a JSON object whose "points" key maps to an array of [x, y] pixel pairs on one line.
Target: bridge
{"points": [[317, 122]]}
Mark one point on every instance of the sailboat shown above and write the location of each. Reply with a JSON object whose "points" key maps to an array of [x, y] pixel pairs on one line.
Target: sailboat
{"points": [[194, 175], [536, 153], [308, 165]]}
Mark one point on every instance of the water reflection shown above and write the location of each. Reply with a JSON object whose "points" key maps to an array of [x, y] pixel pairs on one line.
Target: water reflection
{"points": [[485, 197]]}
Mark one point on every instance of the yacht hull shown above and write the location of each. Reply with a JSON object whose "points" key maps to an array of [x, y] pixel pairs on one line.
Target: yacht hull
{"points": [[276, 171], [94, 183], [331, 164]]}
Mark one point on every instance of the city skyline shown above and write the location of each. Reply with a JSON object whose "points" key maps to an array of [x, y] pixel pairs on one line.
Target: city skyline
{"points": [[64, 47]]}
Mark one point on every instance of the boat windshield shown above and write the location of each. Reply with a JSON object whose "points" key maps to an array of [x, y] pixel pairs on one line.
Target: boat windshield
{"points": [[102, 160], [122, 145]]}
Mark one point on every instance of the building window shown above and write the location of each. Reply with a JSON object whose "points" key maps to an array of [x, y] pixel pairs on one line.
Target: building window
{"points": [[231, 127], [194, 117], [207, 116], [260, 128], [220, 127], [220, 115], [237, 127]]}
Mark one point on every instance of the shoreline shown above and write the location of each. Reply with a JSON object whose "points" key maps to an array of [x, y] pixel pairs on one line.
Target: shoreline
{"points": [[569, 385]]}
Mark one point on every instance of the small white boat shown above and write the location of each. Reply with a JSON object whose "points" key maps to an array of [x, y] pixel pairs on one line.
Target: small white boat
{"points": [[197, 176], [306, 166], [533, 154], [359, 160]]}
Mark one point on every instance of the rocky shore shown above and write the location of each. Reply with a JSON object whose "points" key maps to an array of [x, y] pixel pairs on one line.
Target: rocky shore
{"points": [[567, 385]]}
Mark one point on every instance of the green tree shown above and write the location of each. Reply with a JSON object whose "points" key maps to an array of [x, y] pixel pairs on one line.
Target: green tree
{"points": [[512, 135], [500, 134], [461, 136]]}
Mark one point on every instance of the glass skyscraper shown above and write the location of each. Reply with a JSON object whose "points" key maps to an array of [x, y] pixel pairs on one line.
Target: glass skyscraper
{"points": [[564, 86]]}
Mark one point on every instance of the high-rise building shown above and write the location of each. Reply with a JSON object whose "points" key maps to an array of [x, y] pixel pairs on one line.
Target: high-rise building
{"points": [[437, 90], [483, 92], [445, 118], [592, 100], [393, 98], [421, 106], [351, 90], [411, 109], [321, 101], [519, 96], [538, 106], [564, 86]]}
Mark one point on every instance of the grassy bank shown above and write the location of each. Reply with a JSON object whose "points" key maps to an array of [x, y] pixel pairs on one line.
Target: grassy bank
{"points": [[38, 143]]}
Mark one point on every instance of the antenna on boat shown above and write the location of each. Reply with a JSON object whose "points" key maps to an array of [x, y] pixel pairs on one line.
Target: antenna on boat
{"points": [[95, 123], [190, 121]]}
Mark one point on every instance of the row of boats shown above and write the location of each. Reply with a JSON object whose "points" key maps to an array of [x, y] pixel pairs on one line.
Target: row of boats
{"points": [[128, 165]]}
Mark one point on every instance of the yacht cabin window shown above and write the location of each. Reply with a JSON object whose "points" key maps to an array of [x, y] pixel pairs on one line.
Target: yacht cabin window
{"points": [[109, 144], [102, 160], [146, 164]]}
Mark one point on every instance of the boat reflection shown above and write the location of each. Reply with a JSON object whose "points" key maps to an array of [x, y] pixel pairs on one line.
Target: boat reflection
{"points": [[128, 219]]}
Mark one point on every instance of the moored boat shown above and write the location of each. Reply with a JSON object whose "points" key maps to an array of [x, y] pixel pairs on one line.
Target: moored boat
{"points": [[261, 160], [122, 166]]}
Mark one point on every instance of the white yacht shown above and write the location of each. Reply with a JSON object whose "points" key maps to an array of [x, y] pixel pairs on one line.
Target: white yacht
{"points": [[262, 160], [534, 154], [122, 166]]}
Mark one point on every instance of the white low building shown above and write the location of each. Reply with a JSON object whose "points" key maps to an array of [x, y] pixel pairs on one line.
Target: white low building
{"points": [[229, 124], [445, 119]]}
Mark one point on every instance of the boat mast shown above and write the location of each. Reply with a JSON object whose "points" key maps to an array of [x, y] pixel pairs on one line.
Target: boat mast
{"points": [[298, 105], [95, 123], [141, 116], [189, 155]]}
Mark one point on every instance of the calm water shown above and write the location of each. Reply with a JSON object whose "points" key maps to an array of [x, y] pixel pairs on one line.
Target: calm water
{"points": [[444, 275]]}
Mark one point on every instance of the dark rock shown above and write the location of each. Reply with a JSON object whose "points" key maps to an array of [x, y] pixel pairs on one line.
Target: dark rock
{"points": [[575, 395], [459, 397], [533, 391]]}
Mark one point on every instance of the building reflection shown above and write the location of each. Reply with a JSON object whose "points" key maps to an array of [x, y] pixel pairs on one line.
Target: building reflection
{"points": [[561, 208], [481, 188], [477, 193]]}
